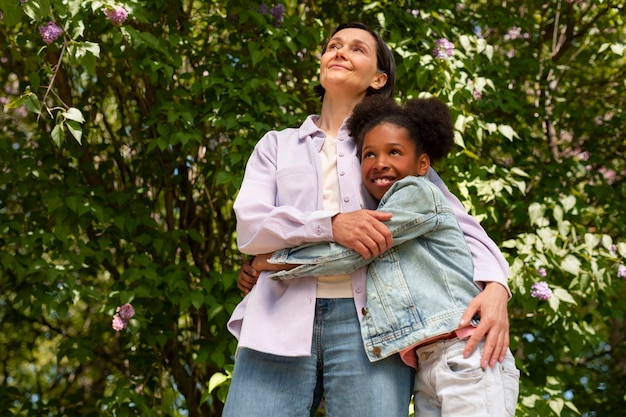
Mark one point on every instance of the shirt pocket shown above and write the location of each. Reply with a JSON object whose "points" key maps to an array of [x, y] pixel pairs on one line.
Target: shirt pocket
{"points": [[297, 186]]}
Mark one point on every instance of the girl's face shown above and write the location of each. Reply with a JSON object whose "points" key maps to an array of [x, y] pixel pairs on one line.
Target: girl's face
{"points": [[388, 155], [349, 63]]}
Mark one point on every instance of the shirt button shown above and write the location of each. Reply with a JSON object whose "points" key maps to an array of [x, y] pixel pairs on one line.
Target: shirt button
{"points": [[346, 199], [377, 350], [318, 231], [342, 173], [364, 311], [358, 290], [340, 153]]}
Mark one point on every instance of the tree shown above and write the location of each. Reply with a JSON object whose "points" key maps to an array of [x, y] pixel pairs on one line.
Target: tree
{"points": [[124, 141]]}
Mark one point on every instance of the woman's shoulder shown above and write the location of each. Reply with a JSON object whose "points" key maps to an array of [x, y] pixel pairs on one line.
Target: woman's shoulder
{"points": [[308, 128]]}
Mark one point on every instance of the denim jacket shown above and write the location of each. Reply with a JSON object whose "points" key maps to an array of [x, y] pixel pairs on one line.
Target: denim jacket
{"points": [[417, 289]]}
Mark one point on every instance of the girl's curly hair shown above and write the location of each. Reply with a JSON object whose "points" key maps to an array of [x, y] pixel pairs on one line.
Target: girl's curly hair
{"points": [[428, 122]]}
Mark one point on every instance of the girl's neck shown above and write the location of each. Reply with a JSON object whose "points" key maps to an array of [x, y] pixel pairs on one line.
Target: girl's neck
{"points": [[334, 111]]}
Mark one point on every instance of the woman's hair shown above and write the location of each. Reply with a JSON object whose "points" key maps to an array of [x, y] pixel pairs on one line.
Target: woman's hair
{"points": [[427, 120], [384, 60]]}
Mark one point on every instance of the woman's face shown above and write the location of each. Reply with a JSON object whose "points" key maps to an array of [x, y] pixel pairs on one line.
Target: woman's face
{"points": [[388, 155], [349, 63]]}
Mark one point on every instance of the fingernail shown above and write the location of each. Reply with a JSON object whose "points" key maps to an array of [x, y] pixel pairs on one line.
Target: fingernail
{"points": [[462, 323], [483, 364]]}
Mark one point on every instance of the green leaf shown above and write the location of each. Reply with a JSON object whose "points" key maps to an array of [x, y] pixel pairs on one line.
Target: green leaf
{"points": [[197, 299], [32, 104], [74, 114], [507, 131], [38, 11], [563, 295], [12, 11], [75, 130], [571, 264], [17, 102], [58, 136], [216, 380]]}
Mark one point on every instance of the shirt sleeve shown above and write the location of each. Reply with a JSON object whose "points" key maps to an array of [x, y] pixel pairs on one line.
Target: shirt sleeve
{"points": [[489, 263], [264, 224]]}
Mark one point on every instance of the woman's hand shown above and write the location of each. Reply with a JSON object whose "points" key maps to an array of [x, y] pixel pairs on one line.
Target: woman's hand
{"points": [[491, 306], [247, 276], [363, 231], [250, 269]]}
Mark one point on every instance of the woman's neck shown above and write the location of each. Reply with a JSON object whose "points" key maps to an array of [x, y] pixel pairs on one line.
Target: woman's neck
{"points": [[334, 111]]}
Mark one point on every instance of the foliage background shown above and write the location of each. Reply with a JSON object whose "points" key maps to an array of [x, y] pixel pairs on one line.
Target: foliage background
{"points": [[123, 146]]}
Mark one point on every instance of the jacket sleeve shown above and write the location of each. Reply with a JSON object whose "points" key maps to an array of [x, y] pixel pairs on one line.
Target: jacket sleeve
{"points": [[413, 206], [264, 224], [489, 263]]}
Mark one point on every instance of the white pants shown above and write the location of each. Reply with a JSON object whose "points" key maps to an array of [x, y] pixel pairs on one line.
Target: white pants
{"points": [[448, 385]]}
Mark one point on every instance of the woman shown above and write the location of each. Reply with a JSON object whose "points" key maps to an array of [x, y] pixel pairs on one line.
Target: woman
{"points": [[301, 339]]}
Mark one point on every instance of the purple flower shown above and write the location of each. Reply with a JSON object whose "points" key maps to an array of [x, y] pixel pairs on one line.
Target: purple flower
{"points": [[50, 32], [278, 12], [126, 311], [613, 248], [477, 94], [118, 324], [621, 271], [542, 272], [262, 8], [540, 290], [122, 317], [117, 15], [443, 49]]}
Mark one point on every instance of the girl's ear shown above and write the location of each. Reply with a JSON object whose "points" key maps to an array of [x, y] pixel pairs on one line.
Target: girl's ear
{"points": [[423, 163]]}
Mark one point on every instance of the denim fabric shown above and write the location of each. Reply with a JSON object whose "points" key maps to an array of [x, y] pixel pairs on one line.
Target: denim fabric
{"points": [[266, 385], [419, 288], [447, 385]]}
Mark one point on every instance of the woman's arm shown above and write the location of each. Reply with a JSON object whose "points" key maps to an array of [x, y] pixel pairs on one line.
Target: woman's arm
{"points": [[278, 203], [276, 206]]}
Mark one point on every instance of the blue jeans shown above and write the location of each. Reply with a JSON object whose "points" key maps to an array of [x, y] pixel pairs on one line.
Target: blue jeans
{"points": [[266, 385]]}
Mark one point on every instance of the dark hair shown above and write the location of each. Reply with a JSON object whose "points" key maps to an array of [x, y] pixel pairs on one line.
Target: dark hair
{"points": [[428, 122], [384, 60]]}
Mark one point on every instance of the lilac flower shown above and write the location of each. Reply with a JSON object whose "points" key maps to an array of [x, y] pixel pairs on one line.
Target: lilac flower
{"points": [[443, 49], [621, 271], [262, 8], [540, 290], [126, 311], [542, 272], [613, 249], [118, 324], [513, 33], [117, 15], [50, 32], [277, 13], [122, 317]]}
